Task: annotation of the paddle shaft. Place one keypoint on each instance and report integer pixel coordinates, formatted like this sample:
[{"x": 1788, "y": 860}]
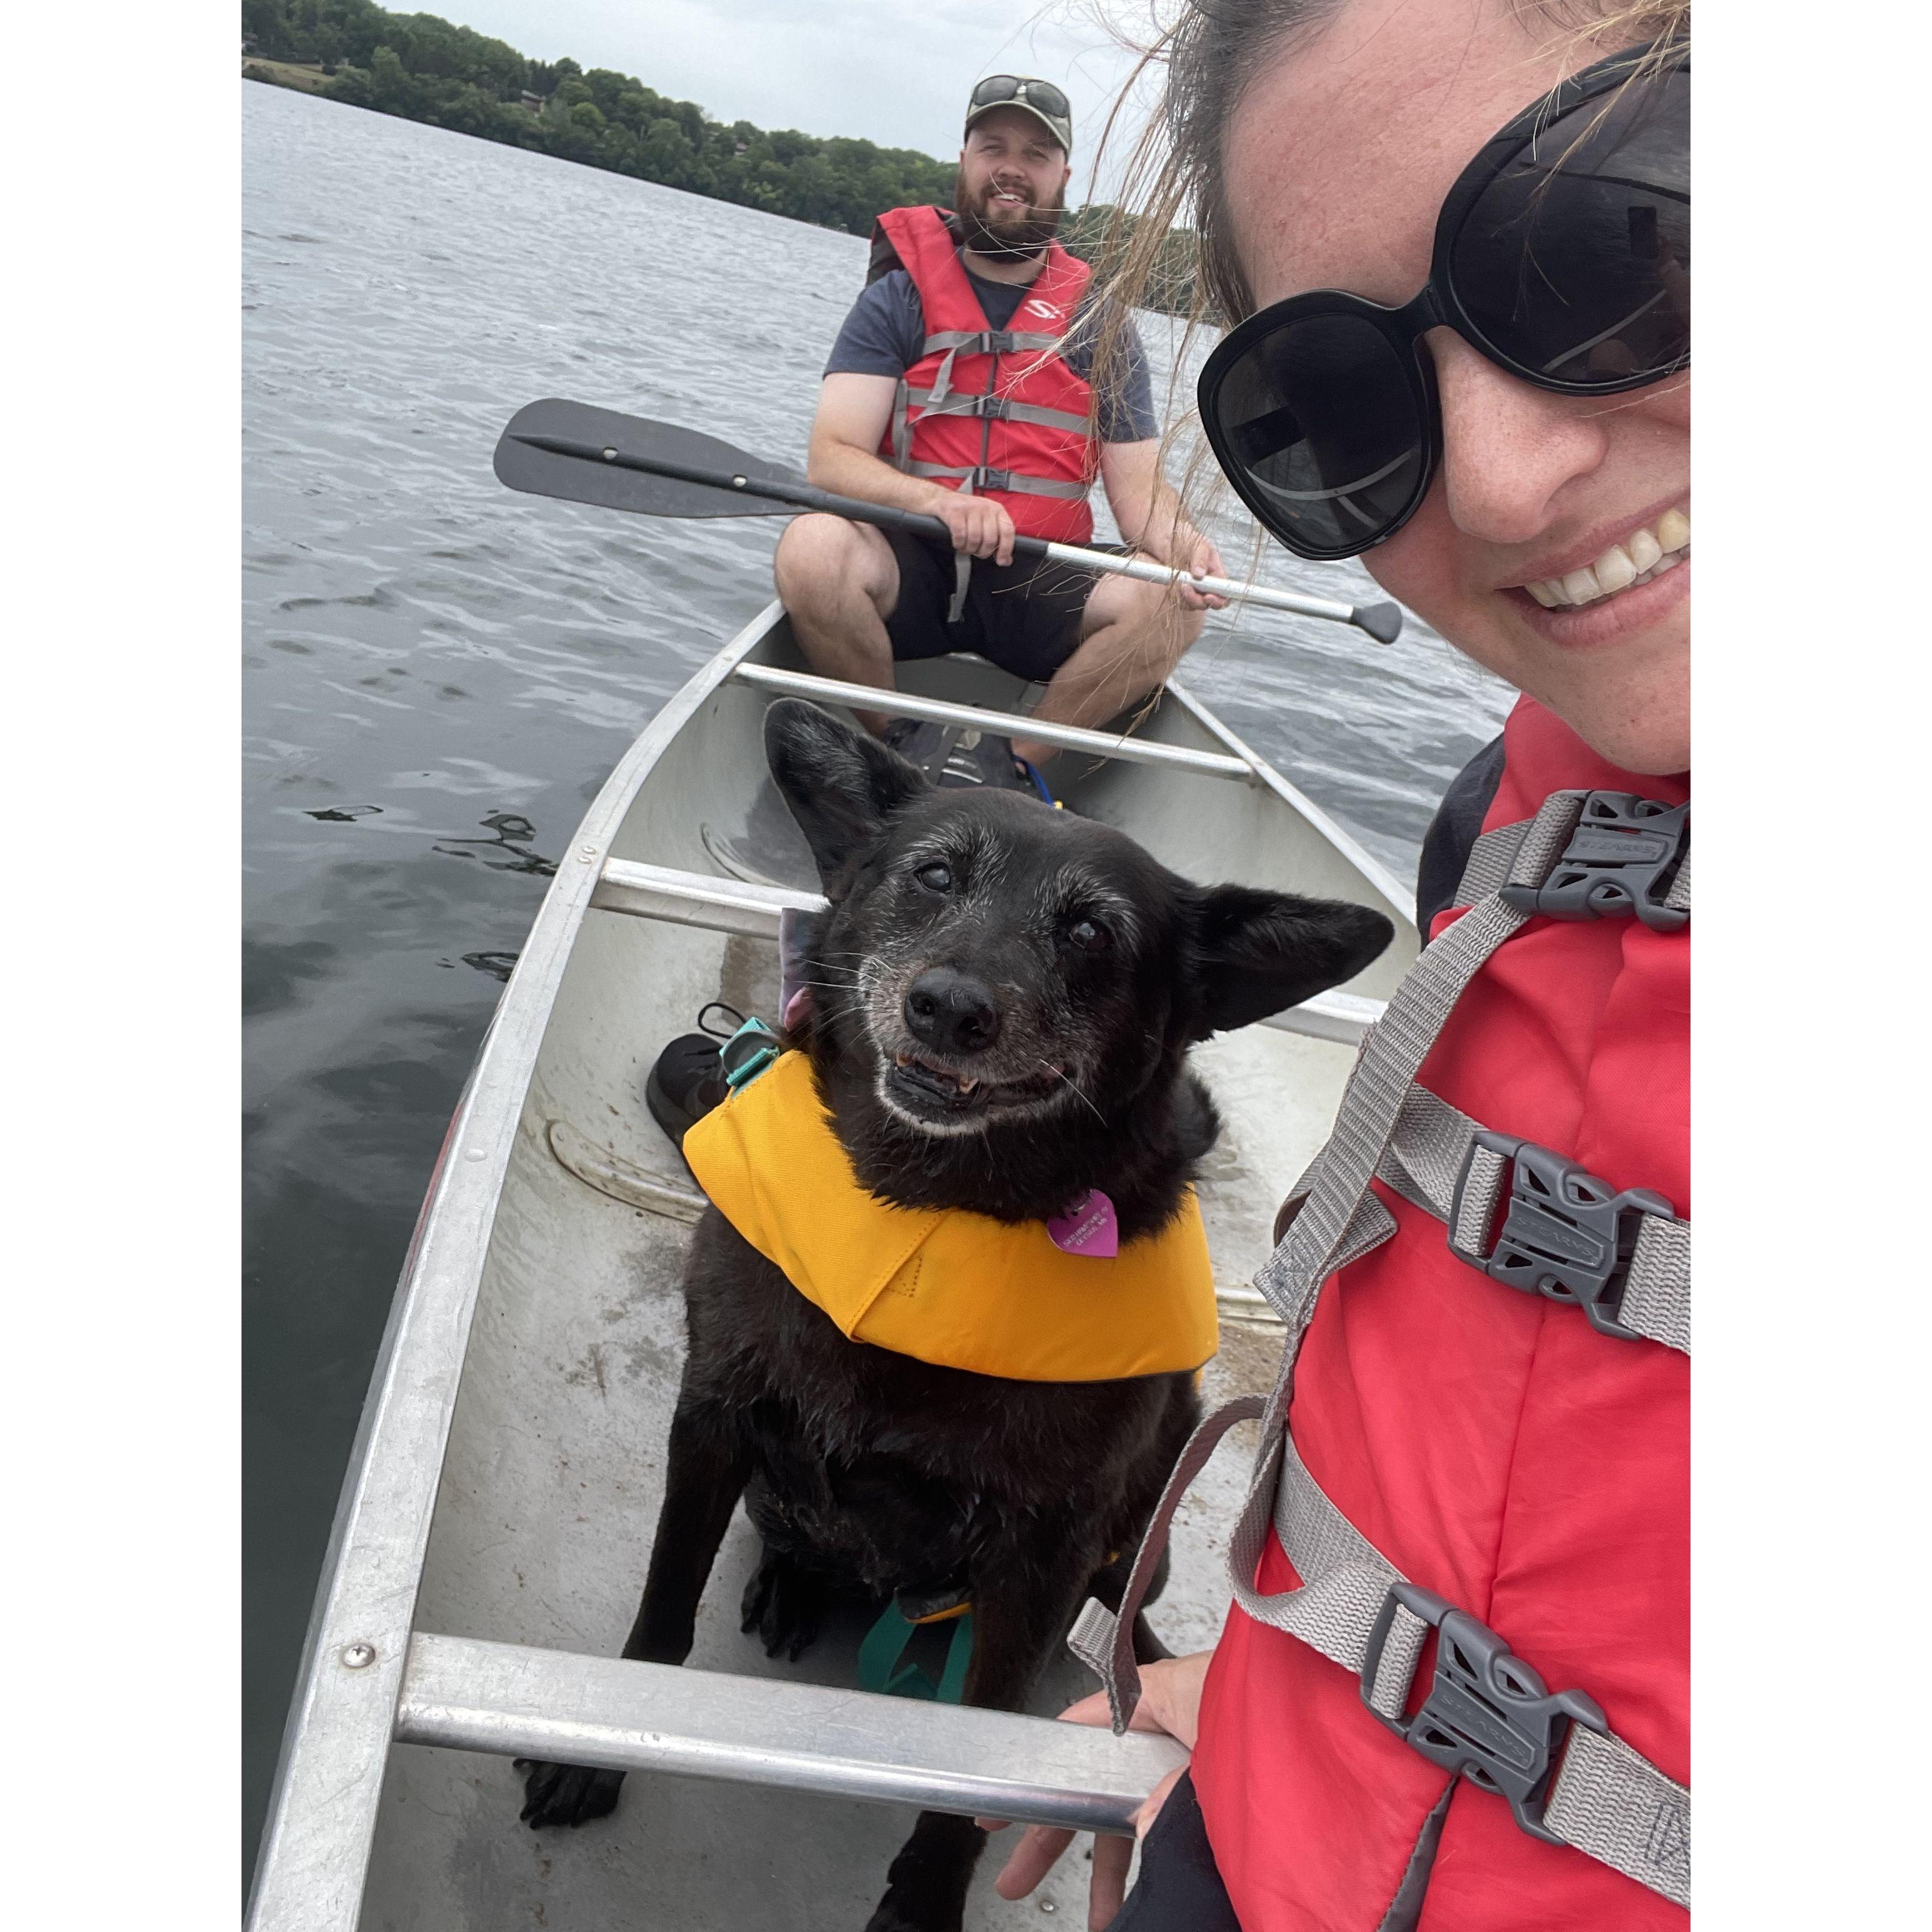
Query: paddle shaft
[{"x": 1376, "y": 619}]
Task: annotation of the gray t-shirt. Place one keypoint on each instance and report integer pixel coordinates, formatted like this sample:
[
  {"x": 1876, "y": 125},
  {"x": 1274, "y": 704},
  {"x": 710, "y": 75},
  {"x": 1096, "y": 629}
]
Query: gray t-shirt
[{"x": 883, "y": 334}]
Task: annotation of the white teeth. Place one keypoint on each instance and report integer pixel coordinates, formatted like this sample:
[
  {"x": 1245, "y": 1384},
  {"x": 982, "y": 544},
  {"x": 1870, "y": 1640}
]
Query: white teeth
[
  {"x": 1640, "y": 556},
  {"x": 1615, "y": 570}
]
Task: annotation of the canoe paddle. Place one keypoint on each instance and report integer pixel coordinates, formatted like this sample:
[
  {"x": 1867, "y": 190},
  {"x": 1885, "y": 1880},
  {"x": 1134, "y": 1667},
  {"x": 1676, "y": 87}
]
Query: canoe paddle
[{"x": 586, "y": 455}]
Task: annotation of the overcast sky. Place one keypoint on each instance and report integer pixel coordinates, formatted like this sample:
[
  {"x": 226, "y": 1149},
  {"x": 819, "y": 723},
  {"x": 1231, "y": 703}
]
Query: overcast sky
[{"x": 894, "y": 71}]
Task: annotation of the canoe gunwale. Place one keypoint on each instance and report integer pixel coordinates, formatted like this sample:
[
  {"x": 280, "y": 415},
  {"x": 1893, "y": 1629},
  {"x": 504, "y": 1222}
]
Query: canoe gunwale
[{"x": 321, "y": 1812}]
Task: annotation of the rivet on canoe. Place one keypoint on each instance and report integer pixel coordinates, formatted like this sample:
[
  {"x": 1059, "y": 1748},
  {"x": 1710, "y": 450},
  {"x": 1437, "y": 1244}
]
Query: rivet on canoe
[
  {"x": 610, "y": 456},
  {"x": 359, "y": 1656}
]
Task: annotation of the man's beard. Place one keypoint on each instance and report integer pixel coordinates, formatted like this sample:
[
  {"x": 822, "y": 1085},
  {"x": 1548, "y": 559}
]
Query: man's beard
[{"x": 1010, "y": 241}]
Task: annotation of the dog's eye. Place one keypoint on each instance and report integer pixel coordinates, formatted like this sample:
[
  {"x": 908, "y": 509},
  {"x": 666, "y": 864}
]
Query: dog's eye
[
  {"x": 1089, "y": 936},
  {"x": 936, "y": 878}
]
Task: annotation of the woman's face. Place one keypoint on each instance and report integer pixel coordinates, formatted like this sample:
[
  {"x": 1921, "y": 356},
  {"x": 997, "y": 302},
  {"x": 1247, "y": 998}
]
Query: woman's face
[{"x": 1338, "y": 160}]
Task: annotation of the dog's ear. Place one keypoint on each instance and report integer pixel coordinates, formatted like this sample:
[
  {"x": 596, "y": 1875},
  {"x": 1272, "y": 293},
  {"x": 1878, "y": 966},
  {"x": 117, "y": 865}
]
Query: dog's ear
[
  {"x": 840, "y": 783},
  {"x": 1256, "y": 952}
]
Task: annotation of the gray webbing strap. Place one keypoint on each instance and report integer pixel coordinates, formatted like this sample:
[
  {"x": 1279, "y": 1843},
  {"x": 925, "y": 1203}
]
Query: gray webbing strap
[
  {"x": 1605, "y": 1799},
  {"x": 1678, "y": 897},
  {"x": 1104, "y": 1642},
  {"x": 1392, "y": 1051},
  {"x": 1339, "y": 1220},
  {"x": 1487, "y": 870},
  {"x": 1434, "y": 1145},
  {"x": 981, "y": 477},
  {"x": 1000, "y": 408},
  {"x": 962, "y": 559},
  {"x": 949, "y": 343},
  {"x": 1615, "y": 1804},
  {"x": 1345, "y": 1579}
]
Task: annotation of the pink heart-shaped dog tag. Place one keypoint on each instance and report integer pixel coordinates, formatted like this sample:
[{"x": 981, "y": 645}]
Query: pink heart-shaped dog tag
[{"x": 1089, "y": 1227}]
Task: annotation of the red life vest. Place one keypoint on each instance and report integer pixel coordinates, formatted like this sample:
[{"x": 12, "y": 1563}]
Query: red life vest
[
  {"x": 1495, "y": 1448},
  {"x": 997, "y": 411}
]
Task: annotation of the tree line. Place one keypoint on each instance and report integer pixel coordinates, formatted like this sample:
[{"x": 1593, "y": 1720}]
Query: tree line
[{"x": 424, "y": 68}]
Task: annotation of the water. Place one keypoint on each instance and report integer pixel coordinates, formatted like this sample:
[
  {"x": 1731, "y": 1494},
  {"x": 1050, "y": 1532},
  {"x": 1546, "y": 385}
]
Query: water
[{"x": 440, "y": 674}]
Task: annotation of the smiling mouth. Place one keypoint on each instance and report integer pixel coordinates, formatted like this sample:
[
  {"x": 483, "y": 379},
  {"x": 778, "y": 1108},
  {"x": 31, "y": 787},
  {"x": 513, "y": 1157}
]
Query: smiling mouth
[
  {"x": 1642, "y": 555},
  {"x": 912, "y": 1077}
]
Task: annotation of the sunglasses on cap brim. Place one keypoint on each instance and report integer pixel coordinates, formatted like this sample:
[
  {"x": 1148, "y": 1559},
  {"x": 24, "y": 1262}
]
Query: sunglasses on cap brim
[
  {"x": 1562, "y": 254},
  {"x": 997, "y": 88}
]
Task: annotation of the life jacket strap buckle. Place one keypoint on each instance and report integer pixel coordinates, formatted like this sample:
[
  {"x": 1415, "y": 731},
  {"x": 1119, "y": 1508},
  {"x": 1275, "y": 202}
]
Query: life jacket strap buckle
[
  {"x": 1566, "y": 1234},
  {"x": 1623, "y": 858},
  {"x": 748, "y": 1053},
  {"x": 1488, "y": 1717}
]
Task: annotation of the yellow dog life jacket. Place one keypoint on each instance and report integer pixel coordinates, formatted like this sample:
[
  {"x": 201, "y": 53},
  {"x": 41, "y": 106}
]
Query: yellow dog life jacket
[{"x": 955, "y": 1288}]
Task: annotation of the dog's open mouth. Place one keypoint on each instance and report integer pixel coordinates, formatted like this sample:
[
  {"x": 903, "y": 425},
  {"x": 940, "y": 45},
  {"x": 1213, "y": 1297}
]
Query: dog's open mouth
[{"x": 924, "y": 1088}]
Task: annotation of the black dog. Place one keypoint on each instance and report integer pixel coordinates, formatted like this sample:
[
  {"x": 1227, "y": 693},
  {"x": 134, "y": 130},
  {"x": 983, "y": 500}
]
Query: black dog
[{"x": 1006, "y": 998}]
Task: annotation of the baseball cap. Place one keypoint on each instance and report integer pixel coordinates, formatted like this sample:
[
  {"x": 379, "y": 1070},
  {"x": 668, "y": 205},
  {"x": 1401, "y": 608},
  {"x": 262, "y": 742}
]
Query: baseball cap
[{"x": 1040, "y": 98}]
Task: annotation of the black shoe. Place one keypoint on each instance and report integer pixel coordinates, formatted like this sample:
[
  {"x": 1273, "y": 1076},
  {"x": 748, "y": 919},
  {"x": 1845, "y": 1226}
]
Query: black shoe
[
  {"x": 953, "y": 756},
  {"x": 688, "y": 1079}
]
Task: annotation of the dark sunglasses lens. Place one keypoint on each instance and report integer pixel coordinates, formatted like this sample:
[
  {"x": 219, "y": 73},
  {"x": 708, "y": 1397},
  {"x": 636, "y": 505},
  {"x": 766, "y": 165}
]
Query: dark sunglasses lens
[
  {"x": 1044, "y": 93},
  {"x": 1322, "y": 430},
  {"x": 1575, "y": 262},
  {"x": 995, "y": 87}
]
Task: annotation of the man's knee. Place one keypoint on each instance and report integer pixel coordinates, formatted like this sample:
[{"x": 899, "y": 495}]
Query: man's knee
[
  {"x": 1156, "y": 629},
  {"x": 821, "y": 556}
]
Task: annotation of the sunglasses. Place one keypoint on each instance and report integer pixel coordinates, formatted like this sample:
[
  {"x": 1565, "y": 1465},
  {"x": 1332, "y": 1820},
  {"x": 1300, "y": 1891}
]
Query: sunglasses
[
  {"x": 1562, "y": 254},
  {"x": 1041, "y": 93}
]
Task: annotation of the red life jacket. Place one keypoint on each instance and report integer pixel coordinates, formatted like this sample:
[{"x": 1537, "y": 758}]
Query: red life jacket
[
  {"x": 999, "y": 412},
  {"x": 1495, "y": 1448}
]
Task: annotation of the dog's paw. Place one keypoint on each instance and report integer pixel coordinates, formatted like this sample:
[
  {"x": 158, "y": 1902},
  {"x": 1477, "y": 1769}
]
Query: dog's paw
[
  {"x": 908, "y": 1910},
  {"x": 785, "y": 1604},
  {"x": 920, "y": 1904},
  {"x": 566, "y": 1794}
]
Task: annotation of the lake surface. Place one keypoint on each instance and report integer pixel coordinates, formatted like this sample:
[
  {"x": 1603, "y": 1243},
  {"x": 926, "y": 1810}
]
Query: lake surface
[{"x": 439, "y": 674}]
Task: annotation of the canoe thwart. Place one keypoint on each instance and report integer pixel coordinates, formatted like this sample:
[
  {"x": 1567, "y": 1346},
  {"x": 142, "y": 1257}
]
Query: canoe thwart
[
  {"x": 737, "y": 906},
  {"x": 697, "y": 898},
  {"x": 1124, "y": 746},
  {"x": 464, "y": 1694}
]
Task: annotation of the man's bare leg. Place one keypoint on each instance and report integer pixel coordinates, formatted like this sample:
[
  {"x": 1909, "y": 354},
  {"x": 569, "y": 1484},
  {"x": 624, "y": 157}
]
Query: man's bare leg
[
  {"x": 839, "y": 583},
  {"x": 1132, "y": 636}
]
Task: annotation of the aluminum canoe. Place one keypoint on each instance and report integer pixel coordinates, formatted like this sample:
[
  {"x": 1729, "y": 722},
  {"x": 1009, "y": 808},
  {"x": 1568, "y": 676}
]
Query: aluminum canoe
[{"x": 490, "y": 1545}]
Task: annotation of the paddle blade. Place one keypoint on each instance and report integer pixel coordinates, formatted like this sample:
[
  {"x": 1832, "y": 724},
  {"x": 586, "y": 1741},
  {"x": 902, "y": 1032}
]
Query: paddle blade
[{"x": 591, "y": 478}]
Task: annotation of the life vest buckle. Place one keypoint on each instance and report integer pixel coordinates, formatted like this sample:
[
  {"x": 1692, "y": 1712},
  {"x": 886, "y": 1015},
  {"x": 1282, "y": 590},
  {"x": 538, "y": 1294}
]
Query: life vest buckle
[
  {"x": 1566, "y": 1234},
  {"x": 749, "y": 1050},
  {"x": 1622, "y": 859},
  {"x": 1488, "y": 1716}
]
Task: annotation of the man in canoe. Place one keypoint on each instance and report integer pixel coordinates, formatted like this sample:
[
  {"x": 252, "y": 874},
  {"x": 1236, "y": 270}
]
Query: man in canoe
[{"x": 961, "y": 386}]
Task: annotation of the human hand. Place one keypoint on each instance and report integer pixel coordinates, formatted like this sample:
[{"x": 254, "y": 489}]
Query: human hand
[
  {"x": 1170, "y": 1703},
  {"x": 977, "y": 525},
  {"x": 1203, "y": 560}
]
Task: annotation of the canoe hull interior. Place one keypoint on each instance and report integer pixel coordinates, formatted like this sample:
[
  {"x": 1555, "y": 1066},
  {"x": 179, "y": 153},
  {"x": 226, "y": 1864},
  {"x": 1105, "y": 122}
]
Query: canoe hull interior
[{"x": 551, "y": 1479}]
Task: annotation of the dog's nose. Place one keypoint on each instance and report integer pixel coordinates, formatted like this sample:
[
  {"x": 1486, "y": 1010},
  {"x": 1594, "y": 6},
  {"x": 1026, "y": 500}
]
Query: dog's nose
[{"x": 952, "y": 1011}]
